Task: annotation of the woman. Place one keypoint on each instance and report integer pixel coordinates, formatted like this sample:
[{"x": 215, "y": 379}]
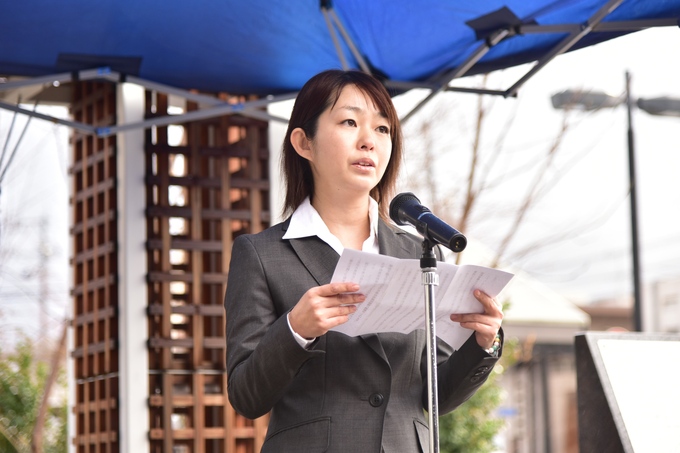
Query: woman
[{"x": 328, "y": 392}]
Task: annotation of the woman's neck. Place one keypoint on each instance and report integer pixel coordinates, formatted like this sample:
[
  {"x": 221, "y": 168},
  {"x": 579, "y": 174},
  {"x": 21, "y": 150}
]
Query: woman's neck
[{"x": 346, "y": 218}]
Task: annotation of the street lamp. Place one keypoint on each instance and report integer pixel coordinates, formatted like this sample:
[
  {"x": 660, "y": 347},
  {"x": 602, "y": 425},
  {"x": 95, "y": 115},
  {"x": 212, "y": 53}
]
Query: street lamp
[{"x": 592, "y": 100}]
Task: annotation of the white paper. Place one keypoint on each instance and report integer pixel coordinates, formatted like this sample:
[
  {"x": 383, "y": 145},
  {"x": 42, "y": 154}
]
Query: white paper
[{"x": 395, "y": 296}]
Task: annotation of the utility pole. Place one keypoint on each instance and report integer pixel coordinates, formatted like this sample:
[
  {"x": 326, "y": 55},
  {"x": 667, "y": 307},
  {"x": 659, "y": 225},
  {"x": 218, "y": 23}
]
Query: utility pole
[{"x": 43, "y": 275}]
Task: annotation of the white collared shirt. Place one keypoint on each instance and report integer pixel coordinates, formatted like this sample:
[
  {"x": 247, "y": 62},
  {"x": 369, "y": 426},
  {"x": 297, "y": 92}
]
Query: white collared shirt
[{"x": 306, "y": 222}]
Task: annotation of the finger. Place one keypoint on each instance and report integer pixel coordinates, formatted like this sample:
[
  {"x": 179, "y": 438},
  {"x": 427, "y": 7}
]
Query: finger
[
  {"x": 473, "y": 318},
  {"x": 489, "y": 303},
  {"x": 347, "y": 299},
  {"x": 324, "y": 302},
  {"x": 335, "y": 321},
  {"x": 342, "y": 310},
  {"x": 336, "y": 316},
  {"x": 333, "y": 289},
  {"x": 485, "y": 330},
  {"x": 479, "y": 326}
]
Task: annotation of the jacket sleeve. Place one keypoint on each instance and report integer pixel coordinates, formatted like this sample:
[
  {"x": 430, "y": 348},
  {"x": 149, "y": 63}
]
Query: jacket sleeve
[
  {"x": 461, "y": 373},
  {"x": 262, "y": 354}
]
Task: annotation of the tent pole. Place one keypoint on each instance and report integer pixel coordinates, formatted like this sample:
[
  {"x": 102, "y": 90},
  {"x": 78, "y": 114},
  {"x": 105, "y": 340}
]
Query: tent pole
[
  {"x": 360, "y": 59},
  {"x": 51, "y": 79},
  {"x": 3, "y": 171},
  {"x": 494, "y": 39},
  {"x": 217, "y": 108},
  {"x": 567, "y": 43},
  {"x": 73, "y": 124},
  {"x": 624, "y": 26},
  {"x": 631, "y": 25},
  {"x": 334, "y": 37},
  {"x": 222, "y": 109}
]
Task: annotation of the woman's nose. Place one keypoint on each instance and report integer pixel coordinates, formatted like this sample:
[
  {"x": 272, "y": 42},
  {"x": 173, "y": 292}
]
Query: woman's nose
[{"x": 366, "y": 140}]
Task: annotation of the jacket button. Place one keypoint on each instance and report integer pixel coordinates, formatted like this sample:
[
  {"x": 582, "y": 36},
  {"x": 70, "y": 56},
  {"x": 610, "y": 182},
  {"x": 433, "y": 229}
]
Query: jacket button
[{"x": 376, "y": 399}]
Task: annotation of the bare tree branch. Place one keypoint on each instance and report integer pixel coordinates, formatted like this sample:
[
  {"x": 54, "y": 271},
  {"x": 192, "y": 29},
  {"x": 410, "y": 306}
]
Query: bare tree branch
[
  {"x": 485, "y": 174},
  {"x": 532, "y": 190}
]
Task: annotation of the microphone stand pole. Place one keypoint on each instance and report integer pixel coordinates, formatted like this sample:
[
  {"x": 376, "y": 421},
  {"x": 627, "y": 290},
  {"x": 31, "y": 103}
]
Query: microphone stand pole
[{"x": 430, "y": 279}]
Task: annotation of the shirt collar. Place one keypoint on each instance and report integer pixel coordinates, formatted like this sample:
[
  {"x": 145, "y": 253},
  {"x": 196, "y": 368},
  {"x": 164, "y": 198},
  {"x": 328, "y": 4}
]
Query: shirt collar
[{"x": 306, "y": 222}]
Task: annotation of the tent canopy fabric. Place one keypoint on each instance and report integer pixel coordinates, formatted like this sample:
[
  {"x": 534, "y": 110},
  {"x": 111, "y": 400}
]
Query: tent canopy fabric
[{"x": 272, "y": 47}]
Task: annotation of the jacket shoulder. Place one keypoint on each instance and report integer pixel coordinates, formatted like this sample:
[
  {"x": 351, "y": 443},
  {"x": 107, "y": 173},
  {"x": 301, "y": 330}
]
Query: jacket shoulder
[{"x": 270, "y": 235}]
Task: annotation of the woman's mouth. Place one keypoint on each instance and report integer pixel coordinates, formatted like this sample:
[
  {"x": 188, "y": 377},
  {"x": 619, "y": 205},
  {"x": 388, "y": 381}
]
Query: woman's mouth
[{"x": 364, "y": 163}]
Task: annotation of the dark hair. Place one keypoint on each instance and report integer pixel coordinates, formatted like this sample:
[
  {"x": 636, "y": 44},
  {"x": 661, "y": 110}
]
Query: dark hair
[{"x": 318, "y": 94}]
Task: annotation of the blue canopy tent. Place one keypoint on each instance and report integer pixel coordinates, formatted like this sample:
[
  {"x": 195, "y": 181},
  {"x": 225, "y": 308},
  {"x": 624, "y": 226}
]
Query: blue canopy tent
[{"x": 271, "y": 47}]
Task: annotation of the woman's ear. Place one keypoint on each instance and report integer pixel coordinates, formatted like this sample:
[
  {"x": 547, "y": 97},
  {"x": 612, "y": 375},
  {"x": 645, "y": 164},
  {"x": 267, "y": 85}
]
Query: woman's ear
[{"x": 301, "y": 143}]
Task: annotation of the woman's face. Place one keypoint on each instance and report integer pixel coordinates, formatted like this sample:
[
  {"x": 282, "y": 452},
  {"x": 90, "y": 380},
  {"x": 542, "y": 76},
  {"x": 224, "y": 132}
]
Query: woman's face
[{"x": 352, "y": 146}]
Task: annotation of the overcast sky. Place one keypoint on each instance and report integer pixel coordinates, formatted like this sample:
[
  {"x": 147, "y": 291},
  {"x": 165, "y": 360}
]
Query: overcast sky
[
  {"x": 34, "y": 216},
  {"x": 597, "y": 263}
]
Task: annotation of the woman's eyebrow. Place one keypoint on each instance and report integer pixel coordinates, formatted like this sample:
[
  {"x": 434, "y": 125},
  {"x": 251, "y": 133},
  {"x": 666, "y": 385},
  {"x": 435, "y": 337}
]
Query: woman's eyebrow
[{"x": 354, "y": 108}]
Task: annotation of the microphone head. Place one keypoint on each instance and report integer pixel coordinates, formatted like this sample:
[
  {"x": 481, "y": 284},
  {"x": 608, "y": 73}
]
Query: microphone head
[
  {"x": 405, "y": 209},
  {"x": 398, "y": 204},
  {"x": 457, "y": 243}
]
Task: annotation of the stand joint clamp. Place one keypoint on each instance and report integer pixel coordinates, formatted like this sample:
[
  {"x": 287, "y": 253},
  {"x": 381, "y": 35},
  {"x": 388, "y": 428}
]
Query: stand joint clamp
[{"x": 430, "y": 278}]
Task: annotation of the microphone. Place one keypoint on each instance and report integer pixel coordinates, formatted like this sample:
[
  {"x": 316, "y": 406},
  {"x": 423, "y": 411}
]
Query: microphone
[{"x": 405, "y": 209}]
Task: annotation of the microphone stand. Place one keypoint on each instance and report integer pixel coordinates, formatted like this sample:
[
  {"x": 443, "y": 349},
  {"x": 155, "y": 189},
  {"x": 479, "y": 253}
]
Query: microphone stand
[{"x": 430, "y": 279}]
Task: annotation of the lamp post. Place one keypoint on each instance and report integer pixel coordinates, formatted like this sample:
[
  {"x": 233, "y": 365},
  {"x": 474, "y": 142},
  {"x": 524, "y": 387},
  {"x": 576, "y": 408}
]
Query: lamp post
[
  {"x": 592, "y": 100},
  {"x": 637, "y": 292}
]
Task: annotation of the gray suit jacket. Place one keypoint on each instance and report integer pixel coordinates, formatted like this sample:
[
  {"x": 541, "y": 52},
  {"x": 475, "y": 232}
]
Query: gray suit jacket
[{"x": 345, "y": 394}]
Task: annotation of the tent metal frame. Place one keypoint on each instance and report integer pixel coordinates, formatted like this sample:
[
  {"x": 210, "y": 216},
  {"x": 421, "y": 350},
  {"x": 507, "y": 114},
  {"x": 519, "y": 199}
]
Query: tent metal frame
[
  {"x": 575, "y": 32},
  {"x": 437, "y": 84},
  {"x": 216, "y": 107}
]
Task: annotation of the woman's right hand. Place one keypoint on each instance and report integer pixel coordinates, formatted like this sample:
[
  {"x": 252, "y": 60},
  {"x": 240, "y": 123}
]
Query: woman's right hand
[{"x": 323, "y": 307}]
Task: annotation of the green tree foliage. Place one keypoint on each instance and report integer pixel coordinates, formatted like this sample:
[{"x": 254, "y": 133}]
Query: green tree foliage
[
  {"x": 472, "y": 427},
  {"x": 22, "y": 380}
]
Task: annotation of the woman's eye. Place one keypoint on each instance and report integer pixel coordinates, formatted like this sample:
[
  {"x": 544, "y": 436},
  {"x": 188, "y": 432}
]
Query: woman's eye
[
  {"x": 383, "y": 129},
  {"x": 350, "y": 122}
]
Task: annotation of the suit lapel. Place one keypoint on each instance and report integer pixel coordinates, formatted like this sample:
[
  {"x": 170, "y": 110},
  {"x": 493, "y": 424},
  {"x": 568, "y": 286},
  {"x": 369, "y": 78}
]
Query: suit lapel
[
  {"x": 318, "y": 257},
  {"x": 395, "y": 242}
]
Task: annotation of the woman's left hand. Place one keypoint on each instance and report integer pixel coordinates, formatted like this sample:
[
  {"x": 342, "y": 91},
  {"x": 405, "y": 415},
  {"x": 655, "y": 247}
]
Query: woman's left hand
[{"x": 486, "y": 325}]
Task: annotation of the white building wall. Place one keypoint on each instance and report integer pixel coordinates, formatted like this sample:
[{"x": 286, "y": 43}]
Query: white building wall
[{"x": 661, "y": 306}]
